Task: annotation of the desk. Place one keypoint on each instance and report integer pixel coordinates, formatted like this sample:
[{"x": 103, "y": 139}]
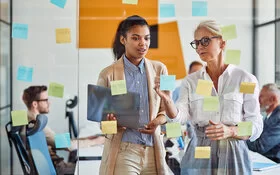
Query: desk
[
  {"x": 256, "y": 157},
  {"x": 89, "y": 167}
]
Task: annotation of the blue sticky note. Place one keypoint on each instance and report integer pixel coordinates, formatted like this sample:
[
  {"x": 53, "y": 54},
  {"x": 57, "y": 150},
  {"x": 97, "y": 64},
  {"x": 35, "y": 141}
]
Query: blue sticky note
[
  {"x": 167, "y": 10},
  {"x": 199, "y": 8},
  {"x": 59, "y": 3},
  {"x": 62, "y": 140},
  {"x": 167, "y": 82},
  {"x": 25, "y": 73},
  {"x": 19, "y": 31}
]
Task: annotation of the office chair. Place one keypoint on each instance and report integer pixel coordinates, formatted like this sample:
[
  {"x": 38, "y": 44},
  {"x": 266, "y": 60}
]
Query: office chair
[
  {"x": 14, "y": 137},
  {"x": 71, "y": 103},
  {"x": 38, "y": 145}
]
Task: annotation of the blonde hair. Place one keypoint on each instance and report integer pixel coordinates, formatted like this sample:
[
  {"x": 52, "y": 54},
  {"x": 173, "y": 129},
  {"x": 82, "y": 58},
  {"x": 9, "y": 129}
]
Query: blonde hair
[{"x": 211, "y": 25}]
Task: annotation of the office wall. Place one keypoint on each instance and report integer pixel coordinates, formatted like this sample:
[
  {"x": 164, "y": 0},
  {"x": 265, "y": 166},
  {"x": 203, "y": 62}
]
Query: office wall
[{"x": 75, "y": 68}]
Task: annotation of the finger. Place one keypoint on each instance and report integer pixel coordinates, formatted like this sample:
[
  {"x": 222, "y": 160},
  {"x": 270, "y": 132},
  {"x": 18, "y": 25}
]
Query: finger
[
  {"x": 212, "y": 123},
  {"x": 215, "y": 136},
  {"x": 213, "y": 127}
]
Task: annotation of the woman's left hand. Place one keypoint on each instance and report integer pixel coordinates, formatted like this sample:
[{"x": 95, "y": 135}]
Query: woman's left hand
[
  {"x": 150, "y": 128},
  {"x": 218, "y": 131}
]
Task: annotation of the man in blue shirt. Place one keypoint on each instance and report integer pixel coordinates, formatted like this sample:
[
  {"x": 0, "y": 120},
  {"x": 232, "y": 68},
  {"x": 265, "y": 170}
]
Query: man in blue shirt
[{"x": 268, "y": 144}]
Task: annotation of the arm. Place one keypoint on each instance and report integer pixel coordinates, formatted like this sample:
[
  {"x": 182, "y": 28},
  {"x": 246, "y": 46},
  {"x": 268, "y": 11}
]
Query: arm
[{"x": 269, "y": 138}]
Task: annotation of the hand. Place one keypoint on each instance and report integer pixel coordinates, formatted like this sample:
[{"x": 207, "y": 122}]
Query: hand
[
  {"x": 163, "y": 94},
  {"x": 218, "y": 131},
  {"x": 112, "y": 117},
  {"x": 150, "y": 128}
]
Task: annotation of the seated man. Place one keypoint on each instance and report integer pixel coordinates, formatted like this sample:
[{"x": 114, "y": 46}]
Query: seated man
[
  {"x": 36, "y": 100},
  {"x": 268, "y": 144}
]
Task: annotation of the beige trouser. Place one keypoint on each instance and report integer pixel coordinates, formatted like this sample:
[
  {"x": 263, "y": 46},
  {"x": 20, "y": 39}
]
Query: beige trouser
[{"x": 135, "y": 159}]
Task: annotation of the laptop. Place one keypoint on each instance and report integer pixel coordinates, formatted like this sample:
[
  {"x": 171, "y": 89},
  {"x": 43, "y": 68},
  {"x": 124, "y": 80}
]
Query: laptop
[{"x": 100, "y": 102}]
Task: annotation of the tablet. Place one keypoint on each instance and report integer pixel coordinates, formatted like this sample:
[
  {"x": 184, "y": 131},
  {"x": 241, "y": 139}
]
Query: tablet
[{"x": 100, "y": 102}]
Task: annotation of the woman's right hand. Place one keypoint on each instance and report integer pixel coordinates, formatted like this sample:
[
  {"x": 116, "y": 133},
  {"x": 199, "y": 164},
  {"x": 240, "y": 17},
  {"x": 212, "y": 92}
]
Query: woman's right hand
[
  {"x": 165, "y": 95},
  {"x": 112, "y": 117}
]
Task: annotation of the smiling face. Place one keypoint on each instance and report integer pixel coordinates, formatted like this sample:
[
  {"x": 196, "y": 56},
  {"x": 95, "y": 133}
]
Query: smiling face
[
  {"x": 136, "y": 42},
  {"x": 214, "y": 48}
]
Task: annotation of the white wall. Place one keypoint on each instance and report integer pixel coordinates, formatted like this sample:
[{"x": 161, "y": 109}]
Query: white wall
[{"x": 75, "y": 68}]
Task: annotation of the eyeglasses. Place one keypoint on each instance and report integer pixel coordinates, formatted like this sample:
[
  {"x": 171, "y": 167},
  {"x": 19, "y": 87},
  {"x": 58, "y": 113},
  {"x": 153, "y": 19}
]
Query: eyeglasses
[
  {"x": 43, "y": 100},
  {"x": 204, "y": 41}
]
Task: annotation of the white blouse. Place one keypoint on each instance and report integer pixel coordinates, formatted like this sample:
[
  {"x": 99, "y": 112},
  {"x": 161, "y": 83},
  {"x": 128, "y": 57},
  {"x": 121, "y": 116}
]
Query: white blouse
[{"x": 234, "y": 106}]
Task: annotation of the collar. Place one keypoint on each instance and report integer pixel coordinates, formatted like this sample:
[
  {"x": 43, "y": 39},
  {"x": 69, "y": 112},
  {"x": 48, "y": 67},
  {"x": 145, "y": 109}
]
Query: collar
[
  {"x": 227, "y": 71},
  {"x": 132, "y": 68}
]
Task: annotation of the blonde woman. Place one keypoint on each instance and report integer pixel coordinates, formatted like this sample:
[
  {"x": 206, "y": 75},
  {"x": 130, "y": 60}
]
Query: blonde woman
[{"x": 229, "y": 153}]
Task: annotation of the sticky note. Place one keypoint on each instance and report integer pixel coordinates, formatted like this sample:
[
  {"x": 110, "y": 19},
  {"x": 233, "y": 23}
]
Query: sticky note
[
  {"x": 62, "y": 140},
  {"x": 173, "y": 130},
  {"x": 19, "y": 117},
  {"x": 204, "y": 87},
  {"x": 244, "y": 128},
  {"x": 229, "y": 32},
  {"x": 118, "y": 87},
  {"x": 59, "y": 3},
  {"x": 247, "y": 87},
  {"x": 211, "y": 103},
  {"x": 63, "y": 35},
  {"x": 109, "y": 127},
  {"x": 233, "y": 57},
  {"x": 199, "y": 8},
  {"x": 202, "y": 152},
  {"x": 56, "y": 90},
  {"x": 19, "y": 31},
  {"x": 25, "y": 73},
  {"x": 134, "y": 2},
  {"x": 167, "y": 10},
  {"x": 167, "y": 82}
]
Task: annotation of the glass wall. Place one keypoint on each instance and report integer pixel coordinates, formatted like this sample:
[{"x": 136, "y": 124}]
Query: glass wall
[
  {"x": 5, "y": 86},
  {"x": 267, "y": 46}
]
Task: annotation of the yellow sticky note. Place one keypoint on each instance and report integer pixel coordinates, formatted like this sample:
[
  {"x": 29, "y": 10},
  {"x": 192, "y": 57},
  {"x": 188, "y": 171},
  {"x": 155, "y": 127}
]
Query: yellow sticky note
[
  {"x": 135, "y": 2},
  {"x": 173, "y": 130},
  {"x": 56, "y": 90},
  {"x": 19, "y": 118},
  {"x": 211, "y": 103},
  {"x": 233, "y": 57},
  {"x": 118, "y": 87},
  {"x": 63, "y": 35},
  {"x": 244, "y": 128},
  {"x": 247, "y": 87},
  {"x": 204, "y": 87},
  {"x": 109, "y": 127},
  {"x": 229, "y": 32},
  {"x": 202, "y": 152}
]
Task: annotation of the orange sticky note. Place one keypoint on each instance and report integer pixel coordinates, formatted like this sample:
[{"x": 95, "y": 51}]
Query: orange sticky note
[
  {"x": 63, "y": 35},
  {"x": 109, "y": 127},
  {"x": 19, "y": 117},
  {"x": 204, "y": 87},
  {"x": 247, "y": 87},
  {"x": 202, "y": 152}
]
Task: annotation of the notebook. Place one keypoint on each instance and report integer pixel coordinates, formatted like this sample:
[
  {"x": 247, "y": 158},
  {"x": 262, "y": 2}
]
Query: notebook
[
  {"x": 125, "y": 106},
  {"x": 260, "y": 166}
]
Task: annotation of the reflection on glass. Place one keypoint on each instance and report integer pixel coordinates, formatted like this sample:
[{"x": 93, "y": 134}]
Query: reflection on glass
[{"x": 4, "y": 64}]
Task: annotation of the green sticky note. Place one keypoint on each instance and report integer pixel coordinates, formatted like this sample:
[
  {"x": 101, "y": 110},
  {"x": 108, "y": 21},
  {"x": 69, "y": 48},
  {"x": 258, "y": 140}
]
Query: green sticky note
[
  {"x": 173, "y": 130},
  {"x": 233, "y": 57},
  {"x": 244, "y": 128},
  {"x": 56, "y": 90},
  {"x": 118, "y": 87},
  {"x": 19, "y": 117},
  {"x": 211, "y": 103},
  {"x": 134, "y": 2},
  {"x": 202, "y": 152},
  {"x": 204, "y": 87},
  {"x": 229, "y": 32},
  {"x": 247, "y": 87}
]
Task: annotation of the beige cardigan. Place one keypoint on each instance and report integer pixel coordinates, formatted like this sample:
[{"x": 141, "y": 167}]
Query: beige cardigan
[{"x": 112, "y": 143}]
